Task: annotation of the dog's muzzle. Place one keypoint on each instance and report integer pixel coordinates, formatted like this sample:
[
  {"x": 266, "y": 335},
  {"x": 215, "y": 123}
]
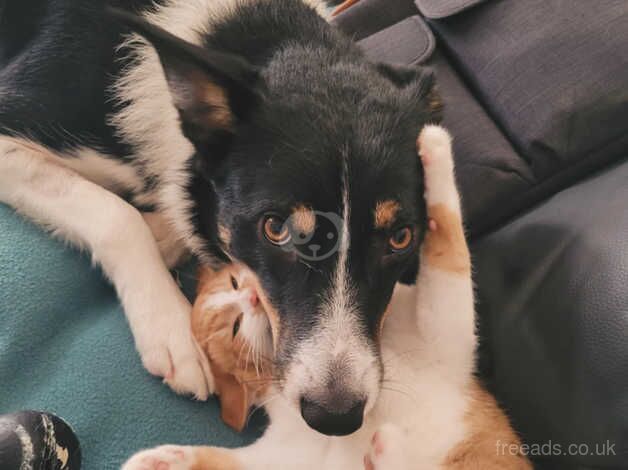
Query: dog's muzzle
[{"x": 340, "y": 420}]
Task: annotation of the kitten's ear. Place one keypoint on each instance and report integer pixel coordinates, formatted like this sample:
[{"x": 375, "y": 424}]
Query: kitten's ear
[
  {"x": 212, "y": 90},
  {"x": 234, "y": 400},
  {"x": 420, "y": 81}
]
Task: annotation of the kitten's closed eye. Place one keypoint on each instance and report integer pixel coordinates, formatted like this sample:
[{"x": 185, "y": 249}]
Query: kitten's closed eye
[
  {"x": 236, "y": 325},
  {"x": 234, "y": 283}
]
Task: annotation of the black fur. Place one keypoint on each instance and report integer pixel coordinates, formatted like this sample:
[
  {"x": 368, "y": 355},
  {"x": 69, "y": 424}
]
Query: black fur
[
  {"x": 321, "y": 107},
  {"x": 307, "y": 108}
]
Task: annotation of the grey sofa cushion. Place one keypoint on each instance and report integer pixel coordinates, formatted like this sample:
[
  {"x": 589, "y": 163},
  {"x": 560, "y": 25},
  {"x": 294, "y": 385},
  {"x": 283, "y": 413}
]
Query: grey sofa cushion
[
  {"x": 408, "y": 42},
  {"x": 518, "y": 136},
  {"x": 488, "y": 169},
  {"x": 444, "y": 8},
  {"x": 552, "y": 73},
  {"x": 554, "y": 309}
]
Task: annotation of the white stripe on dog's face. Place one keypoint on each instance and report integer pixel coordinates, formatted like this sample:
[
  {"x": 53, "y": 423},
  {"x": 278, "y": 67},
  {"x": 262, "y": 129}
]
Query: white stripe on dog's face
[
  {"x": 340, "y": 302},
  {"x": 336, "y": 364}
]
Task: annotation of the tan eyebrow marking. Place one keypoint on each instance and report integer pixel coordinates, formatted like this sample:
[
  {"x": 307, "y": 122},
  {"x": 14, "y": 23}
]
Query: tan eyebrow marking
[
  {"x": 385, "y": 213},
  {"x": 303, "y": 219}
]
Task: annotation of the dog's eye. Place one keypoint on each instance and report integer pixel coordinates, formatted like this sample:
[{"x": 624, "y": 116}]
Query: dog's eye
[
  {"x": 236, "y": 325},
  {"x": 401, "y": 239},
  {"x": 234, "y": 283},
  {"x": 276, "y": 230}
]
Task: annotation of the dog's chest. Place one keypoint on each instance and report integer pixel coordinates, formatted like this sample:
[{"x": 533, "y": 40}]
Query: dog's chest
[{"x": 416, "y": 396}]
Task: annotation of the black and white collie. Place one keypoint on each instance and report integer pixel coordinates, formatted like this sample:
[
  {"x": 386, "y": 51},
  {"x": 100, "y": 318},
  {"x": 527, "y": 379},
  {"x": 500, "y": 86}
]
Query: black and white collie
[{"x": 238, "y": 130}]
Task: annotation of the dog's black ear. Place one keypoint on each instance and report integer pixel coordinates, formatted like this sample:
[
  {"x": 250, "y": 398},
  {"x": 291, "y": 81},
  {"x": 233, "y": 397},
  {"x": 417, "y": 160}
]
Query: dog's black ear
[
  {"x": 420, "y": 81},
  {"x": 212, "y": 90}
]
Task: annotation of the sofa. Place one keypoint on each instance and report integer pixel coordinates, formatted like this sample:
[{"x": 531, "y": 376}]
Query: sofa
[{"x": 536, "y": 97}]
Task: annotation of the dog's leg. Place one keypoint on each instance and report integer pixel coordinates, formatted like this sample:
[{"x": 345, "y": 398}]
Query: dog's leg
[
  {"x": 445, "y": 310},
  {"x": 119, "y": 239},
  {"x": 171, "y": 457},
  {"x": 446, "y": 314},
  {"x": 275, "y": 450},
  {"x": 172, "y": 248},
  {"x": 387, "y": 450}
]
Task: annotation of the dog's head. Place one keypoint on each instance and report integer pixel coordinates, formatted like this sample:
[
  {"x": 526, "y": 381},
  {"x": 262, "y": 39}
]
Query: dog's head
[{"x": 306, "y": 172}]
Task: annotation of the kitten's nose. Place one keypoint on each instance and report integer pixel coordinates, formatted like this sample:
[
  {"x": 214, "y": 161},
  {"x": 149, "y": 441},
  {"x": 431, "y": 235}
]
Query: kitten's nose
[{"x": 254, "y": 299}]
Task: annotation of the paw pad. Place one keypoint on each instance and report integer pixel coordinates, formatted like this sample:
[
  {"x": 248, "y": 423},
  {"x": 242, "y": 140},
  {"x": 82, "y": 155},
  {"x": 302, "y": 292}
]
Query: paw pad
[{"x": 377, "y": 444}]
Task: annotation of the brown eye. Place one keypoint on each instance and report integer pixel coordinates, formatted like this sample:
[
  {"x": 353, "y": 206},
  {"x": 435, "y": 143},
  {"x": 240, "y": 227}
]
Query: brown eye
[
  {"x": 276, "y": 230},
  {"x": 401, "y": 239},
  {"x": 234, "y": 283},
  {"x": 236, "y": 325}
]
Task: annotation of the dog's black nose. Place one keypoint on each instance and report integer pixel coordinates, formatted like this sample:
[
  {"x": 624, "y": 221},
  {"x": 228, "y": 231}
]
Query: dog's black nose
[{"x": 333, "y": 421}]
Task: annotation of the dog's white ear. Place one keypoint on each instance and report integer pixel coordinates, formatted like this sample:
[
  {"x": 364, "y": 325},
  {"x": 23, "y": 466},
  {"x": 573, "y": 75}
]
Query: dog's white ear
[{"x": 212, "y": 90}]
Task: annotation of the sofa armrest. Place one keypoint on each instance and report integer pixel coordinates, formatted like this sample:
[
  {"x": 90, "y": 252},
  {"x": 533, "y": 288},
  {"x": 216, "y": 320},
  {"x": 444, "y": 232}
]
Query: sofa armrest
[{"x": 367, "y": 17}]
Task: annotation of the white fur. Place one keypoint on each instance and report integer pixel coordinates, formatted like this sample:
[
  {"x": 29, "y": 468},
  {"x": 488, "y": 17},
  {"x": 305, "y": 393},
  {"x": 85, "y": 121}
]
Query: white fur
[
  {"x": 90, "y": 217},
  {"x": 428, "y": 347},
  {"x": 336, "y": 338}
]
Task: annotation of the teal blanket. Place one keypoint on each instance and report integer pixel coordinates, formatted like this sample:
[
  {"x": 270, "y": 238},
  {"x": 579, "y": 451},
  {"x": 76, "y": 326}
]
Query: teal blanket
[{"x": 65, "y": 347}]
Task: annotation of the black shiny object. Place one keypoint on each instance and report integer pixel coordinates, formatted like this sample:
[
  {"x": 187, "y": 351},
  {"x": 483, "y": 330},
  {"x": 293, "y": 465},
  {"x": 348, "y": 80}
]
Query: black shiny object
[{"x": 37, "y": 441}]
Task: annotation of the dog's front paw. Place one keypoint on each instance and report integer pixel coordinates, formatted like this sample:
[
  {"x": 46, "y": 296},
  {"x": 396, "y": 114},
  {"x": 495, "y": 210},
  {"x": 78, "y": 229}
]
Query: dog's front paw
[
  {"x": 387, "y": 449},
  {"x": 169, "y": 350},
  {"x": 434, "y": 146},
  {"x": 162, "y": 458},
  {"x": 178, "y": 359}
]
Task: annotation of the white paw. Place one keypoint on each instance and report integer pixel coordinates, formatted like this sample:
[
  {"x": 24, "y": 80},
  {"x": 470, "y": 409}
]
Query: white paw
[
  {"x": 169, "y": 350},
  {"x": 162, "y": 458},
  {"x": 435, "y": 151},
  {"x": 387, "y": 450}
]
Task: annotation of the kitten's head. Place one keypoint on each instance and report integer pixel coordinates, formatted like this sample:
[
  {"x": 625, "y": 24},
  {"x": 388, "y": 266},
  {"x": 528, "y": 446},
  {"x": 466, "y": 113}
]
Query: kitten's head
[{"x": 233, "y": 331}]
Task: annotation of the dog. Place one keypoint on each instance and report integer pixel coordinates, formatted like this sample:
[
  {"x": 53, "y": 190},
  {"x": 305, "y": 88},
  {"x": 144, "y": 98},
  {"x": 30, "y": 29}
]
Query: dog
[
  {"x": 234, "y": 130},
  {"x": 431, "y": 412}
]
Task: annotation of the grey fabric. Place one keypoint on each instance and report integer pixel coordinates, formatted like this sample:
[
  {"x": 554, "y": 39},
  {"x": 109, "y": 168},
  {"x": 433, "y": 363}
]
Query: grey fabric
[
  {"x": 367, "y": 17},
  {"x": 554, "y": 308},
  {"x": 536, "y": 139},
  {"x": 488, "y": 169},
  {"x": 553, "y": 74},
  {"x": 408, "y": 42},
  {"x": 444, "y": 8}
]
